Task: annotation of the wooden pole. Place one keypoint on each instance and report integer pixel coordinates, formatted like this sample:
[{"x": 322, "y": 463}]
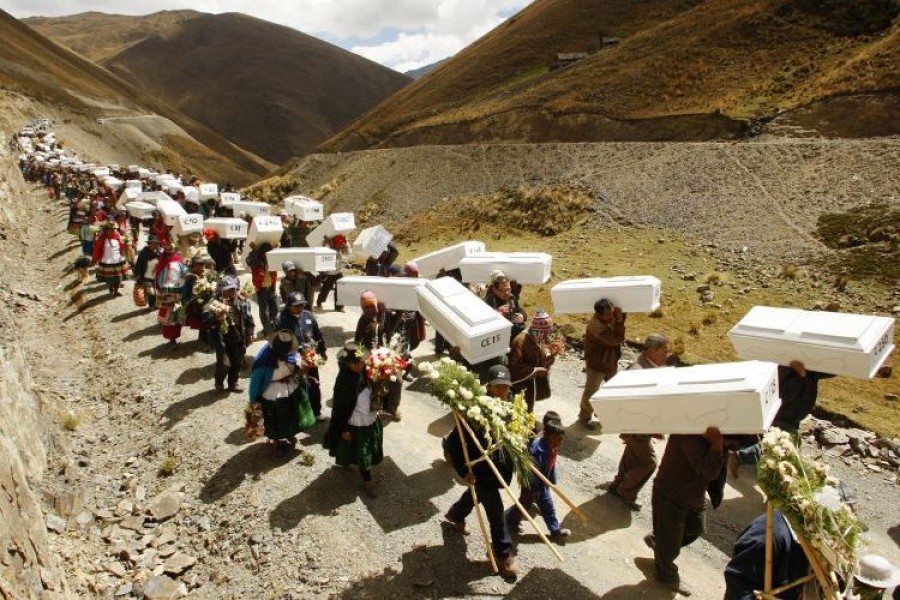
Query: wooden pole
[
  {"x": 481, "y": 525},
  {"x": 770, "y": 527},
  {"x": 509, "y": 491},
  {"x": 828, "y": 590},
  {"x": 559, "y": 492}
]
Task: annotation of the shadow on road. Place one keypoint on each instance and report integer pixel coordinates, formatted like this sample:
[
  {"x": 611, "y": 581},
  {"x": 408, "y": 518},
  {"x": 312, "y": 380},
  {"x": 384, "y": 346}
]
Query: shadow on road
[
  {"x": 405, "y": 500},
  {"x": 130, "y": 315},
  {"x": 603, "y": 513},
  {"x": 331, "y": 490},
  {"x": 550, "y": 583},
  {"x": 177, "y": 411},
  {"x": 580, "y": 443},
  {"x": 649, "y": 588},
  {"x": 427, "y": 572},
  {"x": 253, "y": 461},
  {"x": 141, "y": 333}
]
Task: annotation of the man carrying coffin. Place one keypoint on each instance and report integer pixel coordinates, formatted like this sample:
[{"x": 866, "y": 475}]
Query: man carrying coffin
[
  {"x": 602, "y": 349},
  {"x": 689, "y": 464},
  {"x": 639, "y": 459},
  {"x": 799, "y": 389}
]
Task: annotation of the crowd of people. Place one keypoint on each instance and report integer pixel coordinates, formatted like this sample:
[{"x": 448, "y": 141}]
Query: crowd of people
[{"x": 193, "y": 280}]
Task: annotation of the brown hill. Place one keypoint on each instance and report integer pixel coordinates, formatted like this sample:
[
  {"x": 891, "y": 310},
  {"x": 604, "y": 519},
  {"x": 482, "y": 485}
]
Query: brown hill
[
  {"x": 683, "y": 70},
  {"x": 268, "y": 88},
  {"x": 67, "y": 85}
]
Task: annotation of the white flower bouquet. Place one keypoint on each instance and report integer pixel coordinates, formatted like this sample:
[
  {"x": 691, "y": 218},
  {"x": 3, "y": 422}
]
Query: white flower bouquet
[
  {"x": 808, "y": 497},
  {"x": 506, "y": 425}
]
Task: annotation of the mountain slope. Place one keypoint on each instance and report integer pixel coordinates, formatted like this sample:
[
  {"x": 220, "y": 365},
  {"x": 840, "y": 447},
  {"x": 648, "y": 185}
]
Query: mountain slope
[
  {"x": 683, "y": 70},
  {"x": 71, "y": 87},
  {"x": 268, "y": 88}
]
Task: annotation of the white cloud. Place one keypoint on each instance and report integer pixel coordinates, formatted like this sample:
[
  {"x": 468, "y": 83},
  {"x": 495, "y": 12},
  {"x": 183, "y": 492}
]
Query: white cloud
[{"x": 401, "y": 34}]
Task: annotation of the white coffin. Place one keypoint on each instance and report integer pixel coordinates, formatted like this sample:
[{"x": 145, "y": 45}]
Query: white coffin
[
  {"x": 372, "y": 241},
  {"x": 228, "y": 228},
  {"x": 209, "y": 191},
  {"x": 134, "y": 184},
  {"x": 738, "y": 398},
  {"x": 229, "y": 198},
  {"x": 112, "y": 182},
  {"x": 100, "y": 172},
  {"x": 191, "y": 193},
  {"x": 633, "y": 294},
  {"x": 305, "y": 209},
  {"x": 129, "y": 195},
  {"x": 188, "y": 224},
  {"x": 172, "y": 187},
  {"x": 140, "y": 210},
  {"x": 155, "y": 198},
  {"x": 134, "y": 168},
  {"x": 265, "y": 229},
  {"x": 143, "y": 173},
  {"x": 312, "y": 260},
  {"x": 170, "y": 211},
  {"x": 161, "y": 178},
  {"x": 251, "y": 208},
  {"x": 397, "y": 293},
  {"x": 837, "y": 343},
  {"x": 446, "y": 258},
  {"x": 522, "y": 267},
  {"x": 464, "y": 319},
  {"x": 334, "y": 224}
]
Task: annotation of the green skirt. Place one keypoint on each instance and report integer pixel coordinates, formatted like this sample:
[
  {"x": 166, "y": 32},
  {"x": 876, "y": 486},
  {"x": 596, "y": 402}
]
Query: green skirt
[
  {"x": 364, "y": 448},
  {"x": 281, "y": 417}
]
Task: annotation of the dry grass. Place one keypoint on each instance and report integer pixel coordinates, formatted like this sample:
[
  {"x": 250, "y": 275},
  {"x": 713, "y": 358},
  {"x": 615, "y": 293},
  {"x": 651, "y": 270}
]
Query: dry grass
[
  {"x": 682, "y": 320},
  {"x": 168, "y": 466}
]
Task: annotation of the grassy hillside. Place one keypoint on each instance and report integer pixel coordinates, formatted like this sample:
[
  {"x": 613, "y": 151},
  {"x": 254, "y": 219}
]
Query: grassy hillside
[
  {"x": 268, "y": 88},
  {"x": 40, "y": 69},
  {"x": 685, "y": 70}
]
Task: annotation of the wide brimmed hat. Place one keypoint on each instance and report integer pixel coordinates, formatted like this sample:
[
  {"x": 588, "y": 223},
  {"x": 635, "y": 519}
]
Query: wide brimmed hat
[
  {"x": 878, "y": 572},
  {"x": 283, "y": 342},
  {"x": 351, "y": 352},
  {"x": 198, "y": 260}
]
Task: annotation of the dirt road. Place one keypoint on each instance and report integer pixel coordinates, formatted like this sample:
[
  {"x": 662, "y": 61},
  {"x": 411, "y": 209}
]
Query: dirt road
[{"x": 261, "y": 525}]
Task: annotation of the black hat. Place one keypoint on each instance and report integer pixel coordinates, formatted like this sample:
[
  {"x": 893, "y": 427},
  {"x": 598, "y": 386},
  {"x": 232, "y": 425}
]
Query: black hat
[
  {"x": 296, "y": 299},
  {"x": 498, "y": 375},
  {"x": 283, "y": 342}
]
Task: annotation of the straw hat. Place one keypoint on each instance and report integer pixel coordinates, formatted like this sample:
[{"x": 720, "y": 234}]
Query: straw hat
[{"x": 878, "y": 572}]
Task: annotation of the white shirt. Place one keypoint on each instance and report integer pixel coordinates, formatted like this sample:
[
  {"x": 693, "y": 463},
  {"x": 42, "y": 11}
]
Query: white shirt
[
  {"x": 362, "y": 415},
  {"x": 282, "y": 385},
  {"x": 112, "y": 254}
]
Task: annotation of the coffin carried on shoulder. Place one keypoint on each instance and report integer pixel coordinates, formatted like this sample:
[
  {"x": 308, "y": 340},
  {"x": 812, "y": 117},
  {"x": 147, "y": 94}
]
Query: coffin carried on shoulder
[
  {"x": 228, "y": 198},
  {"x": 522, "y": 267},
  {"x": 464, "y": 319},
  {"x": 397, "y": 293},
  {"x": 446, "y": 258},
  {"x": 265, "y": 229},
  {"x": 100, "y": 172},
  {"x": 134, "y": 184},
  {"x": 155, "y": 198},
  {"x": 170, "y": 211},
  {"x": 633, "y": 294},
  {"x": 305, "y": 209},
  {"x": 251, "y": 208},
  {"x": 372, "y": 241},
  {"x": 208, "y": 191},
  {"x": 228, "y": 228},
  {"x": 191, "y": 194},
  {"x": 312, "y": 260},
  {"x": 334, "y": 224},
  {"x": 129, "y": 195},
  {"x": 111, "y": 182},
  {"x": 738, "y": 398},
  {"x": 140, "y": 210},
  {"x": 188, "y": 224},
  {"x": 837, "y": 343}
]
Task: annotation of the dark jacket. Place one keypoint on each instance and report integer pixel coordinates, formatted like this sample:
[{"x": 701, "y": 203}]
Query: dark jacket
[
  {"x": 347, "y": 386},
  {"x": 304, "y": 326},
  {"x": 409, "y": 324},
  {"x": 482, "y": 472},
  {"x": 745, "y": 572},
  {"x": 220, "y": 251},
  {"x": 143, "y": 259},
  {"x": 798, "y": 396},
  {"x": 370, "y": 330},
  {"x": 603, "y": 345},
  {"x": 303, "y": 284},
  {"x": 688, "y": 466},
  {"x": 524, "y": 355},
  {"x": 543, "y": 456},
  {"x": 514, "y": 309}
]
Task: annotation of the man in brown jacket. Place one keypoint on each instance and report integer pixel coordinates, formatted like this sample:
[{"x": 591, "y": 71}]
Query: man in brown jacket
[
  {"x": 638, "y": 462},
  {"x": 689, "y": 464},
  {"x": 602, "y": 349}
]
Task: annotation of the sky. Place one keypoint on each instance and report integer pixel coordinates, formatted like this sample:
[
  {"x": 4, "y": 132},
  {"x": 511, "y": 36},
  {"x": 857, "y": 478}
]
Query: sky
[{"x": 400, "y": 34}]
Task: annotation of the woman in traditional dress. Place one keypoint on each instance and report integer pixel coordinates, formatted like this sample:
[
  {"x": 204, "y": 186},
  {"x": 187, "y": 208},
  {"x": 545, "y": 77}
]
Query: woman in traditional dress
[
  {"x": 110, "y": 256},
  {"x": 277, "y": 385},
  {"x": 169, "y": 278},
  {"x": 355, "y": 435},
  {"x": 530, "y": 359}
]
